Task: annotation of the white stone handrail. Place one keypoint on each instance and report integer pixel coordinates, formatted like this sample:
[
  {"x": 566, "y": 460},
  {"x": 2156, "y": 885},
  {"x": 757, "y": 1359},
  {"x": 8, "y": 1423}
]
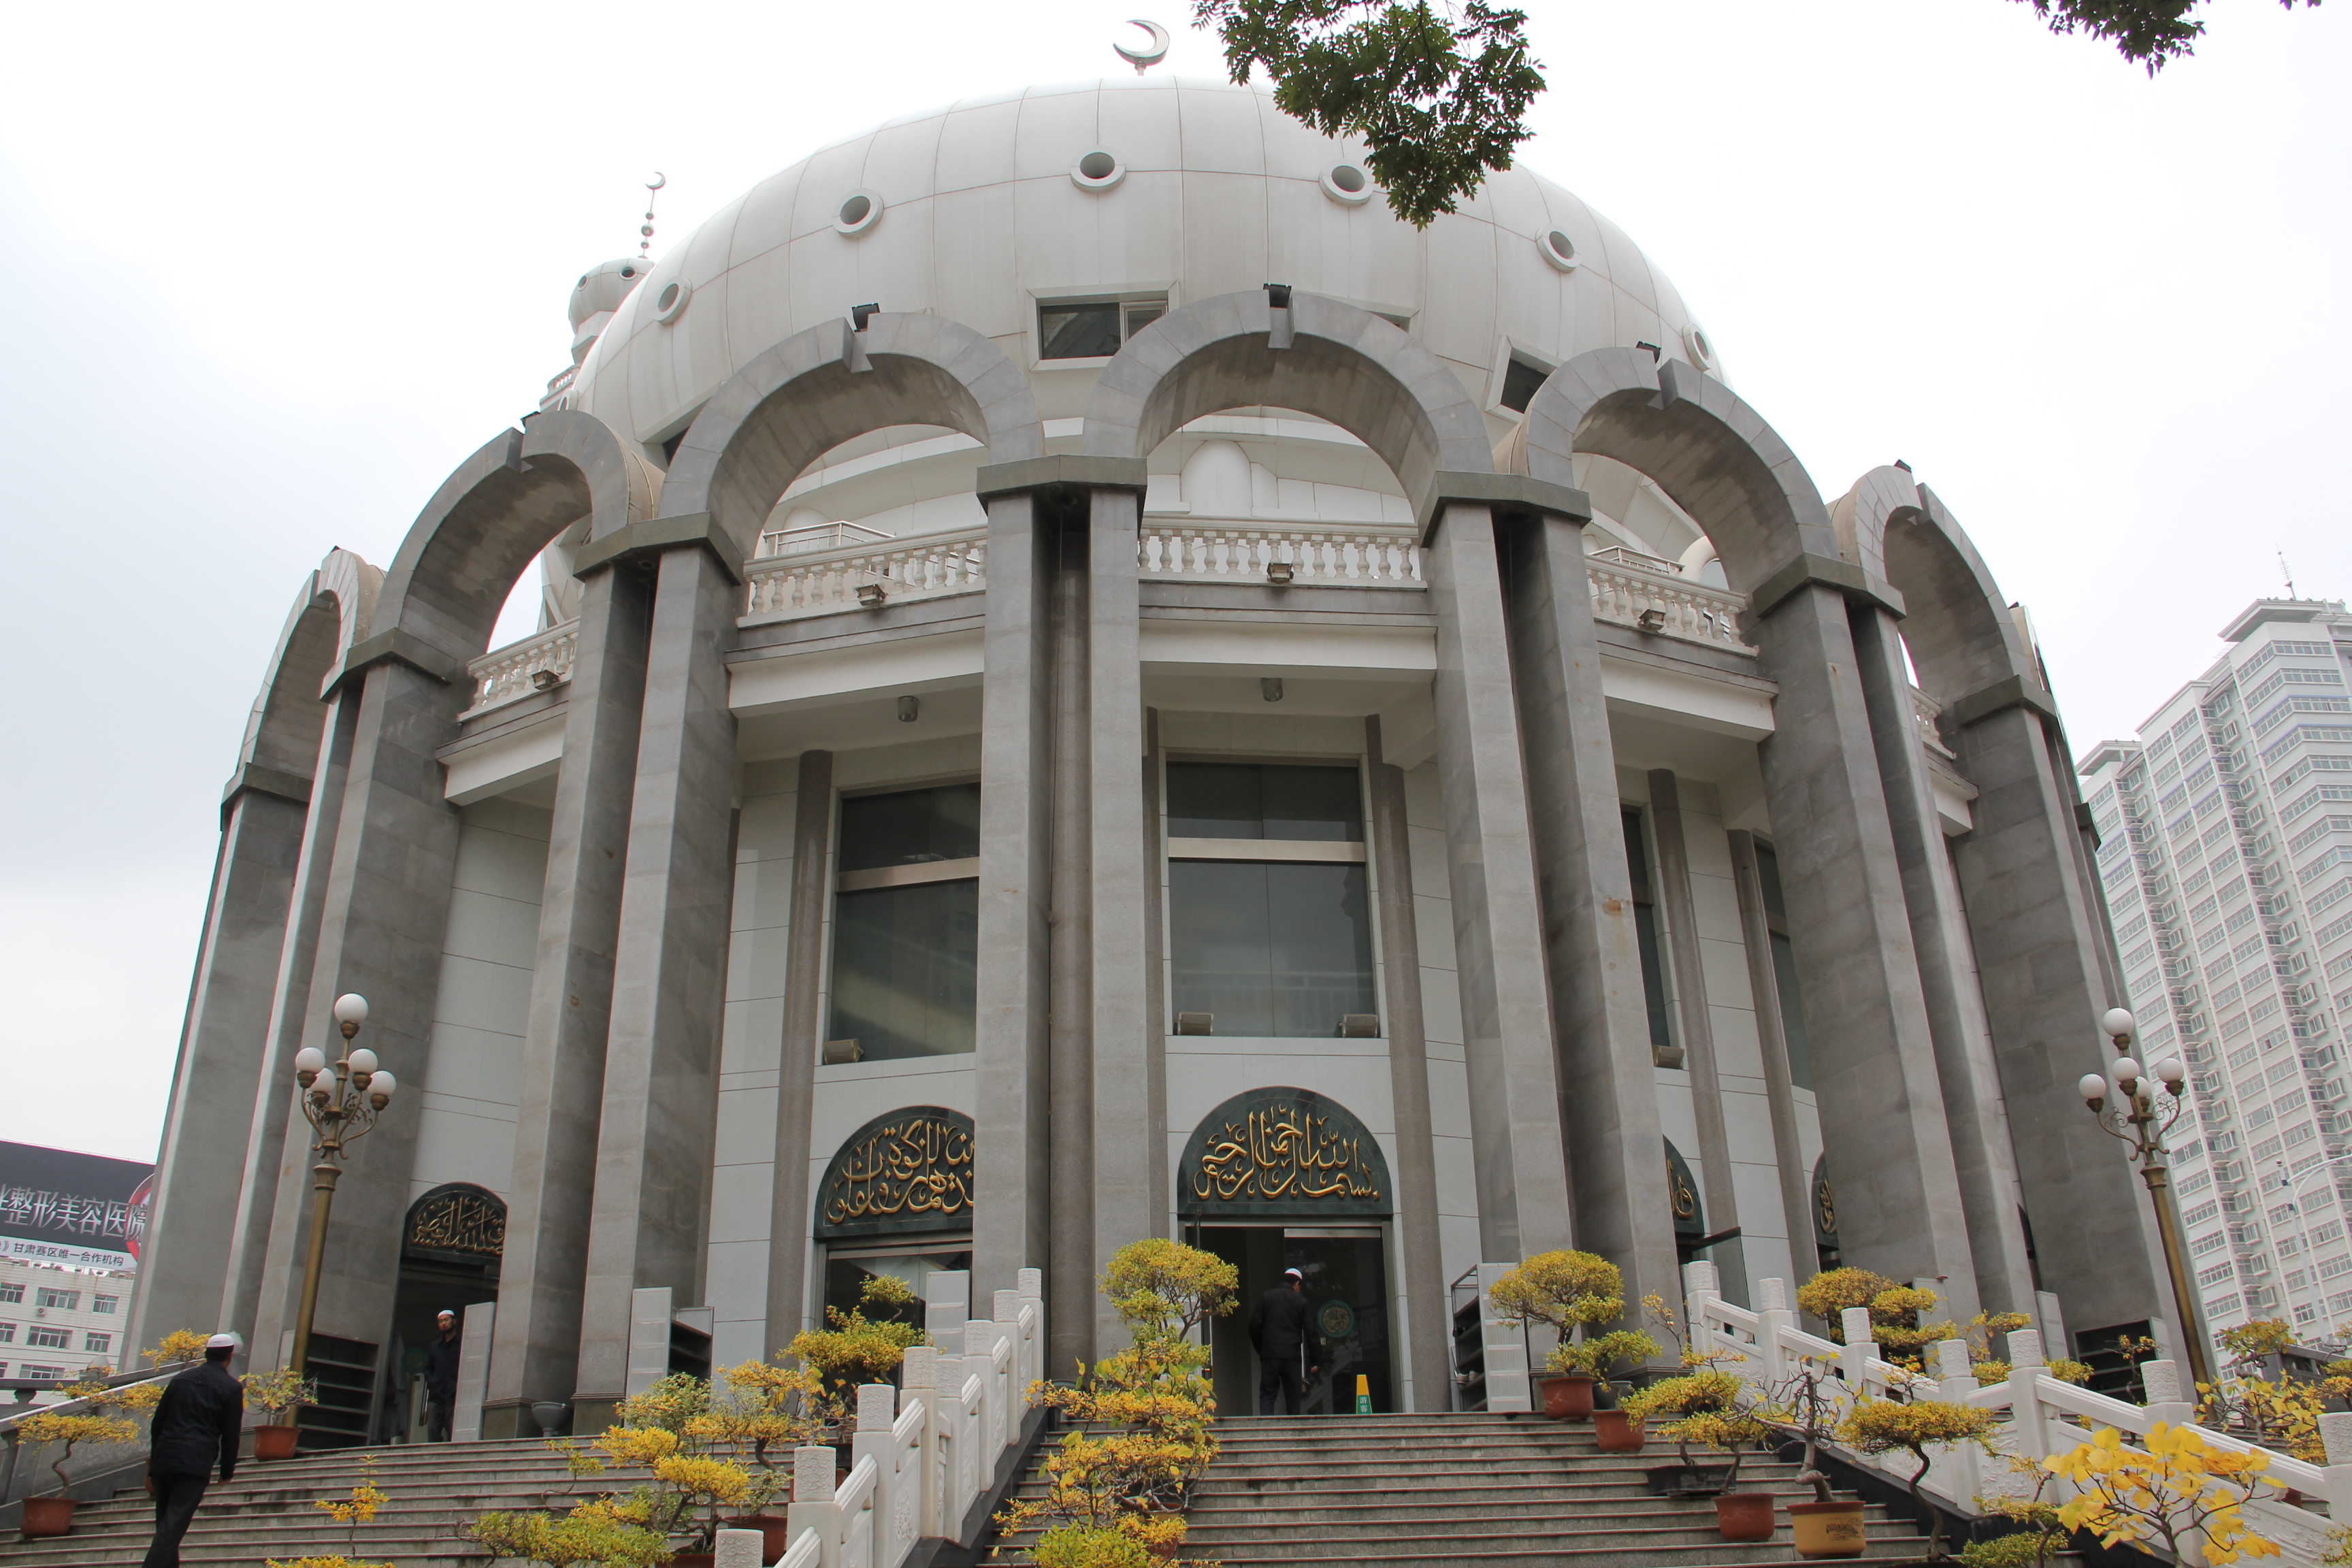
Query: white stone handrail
[
  {"x": 1692, "y": 611},
  {"x": 1231, "y": 553},
  {"x": 925, "y": 1453},
  {"x": 2041, "y": 1415},
  {"x": 538, "y": 663},
  {"x": 814, "y": 582},
  {"x": 1926, "y": 710}
]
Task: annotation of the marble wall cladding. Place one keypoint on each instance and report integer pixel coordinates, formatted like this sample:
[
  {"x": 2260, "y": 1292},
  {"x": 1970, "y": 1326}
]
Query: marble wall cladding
[
  {"x": 471, "y": 1078},
  {"x": 1441, "y": 1002}
]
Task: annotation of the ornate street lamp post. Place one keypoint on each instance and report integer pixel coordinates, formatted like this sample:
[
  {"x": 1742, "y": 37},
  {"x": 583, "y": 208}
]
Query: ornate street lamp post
[
  {"x": 340, "y": 1103},
  {"x": 2136, "y": 1123}
]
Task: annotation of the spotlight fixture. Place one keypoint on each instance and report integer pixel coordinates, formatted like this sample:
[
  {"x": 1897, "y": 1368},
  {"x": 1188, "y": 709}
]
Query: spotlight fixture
[
  {"x": 871, "y": 594},
  {"x": 1279, "y": 574},
  {"x": 545, "y": 680},
  {"x": 861, "y": 314},
  {"x": 1270, "y": 688},
  {"x": 1650, "y": 620},
  {"x": 907, "y": 707}
]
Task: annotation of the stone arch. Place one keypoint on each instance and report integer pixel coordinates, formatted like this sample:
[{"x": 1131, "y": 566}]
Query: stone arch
[
  {"x": 444, "y": 589},
  {"x": 829, "y": 385},
  {"x": 1320, "y": 357},
  {"x": 333, "y": 611},
  {"x": 1708, "y": 450},
  {"x": 1962, "y": 635}
]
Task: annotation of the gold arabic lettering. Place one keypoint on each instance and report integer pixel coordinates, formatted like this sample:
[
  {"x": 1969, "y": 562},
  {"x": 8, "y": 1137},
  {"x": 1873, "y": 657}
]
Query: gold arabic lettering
[
  {"x": 917, "y": 1166},
  {"x": 1280, "y": 1152},
  {"x": 460, "y": 1222}
]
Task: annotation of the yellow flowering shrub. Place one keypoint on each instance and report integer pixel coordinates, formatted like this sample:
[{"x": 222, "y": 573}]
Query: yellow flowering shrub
[
  {"x": 179, "y": 1345},
  {"x": 2159, "y": 1494},
  {"x": 1886, "y": 1426}
]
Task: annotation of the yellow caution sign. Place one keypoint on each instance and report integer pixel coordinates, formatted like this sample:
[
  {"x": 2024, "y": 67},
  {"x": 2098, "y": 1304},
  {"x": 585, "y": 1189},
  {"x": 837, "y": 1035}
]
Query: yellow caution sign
[{"x": 1363, "y": 1394}]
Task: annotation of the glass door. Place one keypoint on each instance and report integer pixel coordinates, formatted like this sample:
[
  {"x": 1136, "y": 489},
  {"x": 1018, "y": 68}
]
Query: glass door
[{"x": 1346, "y": 1268}]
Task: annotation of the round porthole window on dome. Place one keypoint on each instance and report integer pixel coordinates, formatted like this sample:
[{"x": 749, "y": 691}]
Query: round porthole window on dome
[
  {"x": 1557, "y": 249},
  {"x": 1098, "y": 169},
  {"x": 1350, "y": 185},
  {"x": 860, "y": 210},
  {"x": 670, "y": 303},
  {"x": 1702, "y": 352}
]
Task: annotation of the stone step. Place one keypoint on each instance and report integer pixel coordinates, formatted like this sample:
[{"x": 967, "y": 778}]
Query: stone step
[{"x": 1501, "y": 1502}]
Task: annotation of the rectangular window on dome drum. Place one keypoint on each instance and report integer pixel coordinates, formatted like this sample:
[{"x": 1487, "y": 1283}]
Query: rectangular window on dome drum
[
  {"x": 1093, "y": 328},
  {"x": 906, "y": 925},
  {"x": 1270, "y": 921}
]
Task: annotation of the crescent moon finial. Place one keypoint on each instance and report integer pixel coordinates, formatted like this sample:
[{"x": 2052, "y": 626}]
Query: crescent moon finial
[
  {"x": 1151, "y": 54},
  {"x": 652, "y": 188}
]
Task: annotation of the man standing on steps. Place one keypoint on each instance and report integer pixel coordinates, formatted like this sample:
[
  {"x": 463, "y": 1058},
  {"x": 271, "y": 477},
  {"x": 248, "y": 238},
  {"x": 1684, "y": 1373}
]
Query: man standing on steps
[
  {"x": 1282, "y": 1330},
  {"x": 441, "y": 1378},
  {"x": 196, "y": 1425}
]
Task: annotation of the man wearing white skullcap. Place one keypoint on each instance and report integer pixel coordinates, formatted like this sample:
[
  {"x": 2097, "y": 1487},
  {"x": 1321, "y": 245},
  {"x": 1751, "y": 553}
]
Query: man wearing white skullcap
[{"x": 196, "y": 1425}]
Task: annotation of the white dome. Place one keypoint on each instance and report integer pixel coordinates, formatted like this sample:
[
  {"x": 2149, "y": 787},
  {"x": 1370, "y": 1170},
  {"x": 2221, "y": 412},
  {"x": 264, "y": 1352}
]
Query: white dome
[{"x": 982, "y": 213}]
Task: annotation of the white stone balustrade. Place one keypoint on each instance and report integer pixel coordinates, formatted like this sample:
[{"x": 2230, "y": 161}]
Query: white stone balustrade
[
  {"x": 538, "y": 663},
  {"x": 812, "y": 582},
  {"x": 1219, "y": 553},
  {"x": 2038, "y": 1414},
  {"x": 1625, "y": 592},
  {"x": 1926, "y": 710}
]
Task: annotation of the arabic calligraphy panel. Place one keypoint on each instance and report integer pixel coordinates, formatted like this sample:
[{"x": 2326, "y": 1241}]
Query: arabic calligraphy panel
[
  {"x": 1282, "y": 1152},
  {"x": 907, "y": 1171},
  {"x": 458, "y": 1223}
]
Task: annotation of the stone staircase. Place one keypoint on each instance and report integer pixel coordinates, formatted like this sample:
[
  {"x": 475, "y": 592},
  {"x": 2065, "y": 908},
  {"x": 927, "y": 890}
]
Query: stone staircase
[
  {"x": 1455, "y": 1491},
  {"x": 268, "y": 1512}
]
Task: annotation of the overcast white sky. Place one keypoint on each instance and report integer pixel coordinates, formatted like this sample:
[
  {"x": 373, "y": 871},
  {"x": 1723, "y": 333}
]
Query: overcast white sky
[{"x": 278, "y": 268}]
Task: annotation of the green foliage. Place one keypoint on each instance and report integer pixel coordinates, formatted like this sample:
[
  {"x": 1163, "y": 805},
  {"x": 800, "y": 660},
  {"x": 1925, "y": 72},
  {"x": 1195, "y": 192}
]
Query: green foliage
[
  {"x": 1885, "y": 1426},
  {"x": 667, "y": 1406},
  {"x": 1565, "y": 1292},
  {"x": 1896, "y": 1311},
  {"x": 2151, "y": 33},
  {"x": 279, "y": 1391},
  {"x": 857, "y": 1349},
  {"x": 2249, "y": 1343},
  {"x": 599, "y": 1531},
  {"x": 1438, "y": 93},
  {"x": 2023, "y": 1549},
  {"x": 73, "y": 1430},
  {"x": 1162, "y": 1289},
  {"x": 1087, "y": 1546}
]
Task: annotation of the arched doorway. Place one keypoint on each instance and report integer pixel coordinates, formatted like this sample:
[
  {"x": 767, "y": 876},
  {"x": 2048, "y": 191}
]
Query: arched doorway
[
  {"x": 451, "y": 1246},
  {"x": 1682, "y": 1202},
  {"x": 897, "y": 1201},
  {"x": 1284, "y": 1178},
  {"x": 1825, "y": 1225}
]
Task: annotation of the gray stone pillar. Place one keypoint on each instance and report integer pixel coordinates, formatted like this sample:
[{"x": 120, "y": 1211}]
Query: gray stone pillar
[
  {"x": 271, "y": 1109},
  {"x": 380, "y": 934},
  {"x": 224, "y": 1059},
  {"x": 2037, "y": 926},
  {"x": 1070, "y": 1298},
  {"x": 1127, "y": 1206},
  {"x": 1519, "y": 1161},
  {"x": 1615, "y": 1145},
  {"x": 1771, "y": 1033},
  {"x": 1158, "y": 1179},
  {"x": 646, "y": 1228},
  {"x": 1428, "y": 1344},
  {"x": 1011, "y": 1129},
  {"x": 1874, "y": 1075},
  {"x": 1692, "y": 1009},
  {"x": 2002, "y": 1281},
  {"x": 789, "y": 1221},
  {"x": 540, "y": 1278}
]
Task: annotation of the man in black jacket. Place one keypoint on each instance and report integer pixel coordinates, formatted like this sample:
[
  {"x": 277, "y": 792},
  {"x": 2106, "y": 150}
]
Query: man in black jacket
[
  {"x": 1282, "y": 1330},
  {"x": 441, "y": 1378},
  {"x": 196, "y": 1425}
]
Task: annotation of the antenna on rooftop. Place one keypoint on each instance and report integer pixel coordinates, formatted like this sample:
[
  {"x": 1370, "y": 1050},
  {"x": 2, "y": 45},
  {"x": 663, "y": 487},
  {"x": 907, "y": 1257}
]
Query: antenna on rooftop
[
  {"x": 652, "y": 188},
  {"x": 2288, "y": 573}
]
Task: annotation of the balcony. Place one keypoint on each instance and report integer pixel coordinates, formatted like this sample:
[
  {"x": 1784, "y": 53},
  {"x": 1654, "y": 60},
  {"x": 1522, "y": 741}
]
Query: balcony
[{"x": 509, "y": 674}]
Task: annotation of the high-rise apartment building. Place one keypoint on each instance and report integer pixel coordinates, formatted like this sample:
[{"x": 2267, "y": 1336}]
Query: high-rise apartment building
[{"x": 2225, "y": 845}]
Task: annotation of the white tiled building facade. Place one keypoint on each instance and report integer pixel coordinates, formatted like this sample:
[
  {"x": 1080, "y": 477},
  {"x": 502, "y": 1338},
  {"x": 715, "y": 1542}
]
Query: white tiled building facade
[
  {"x": 2225, "y": 847},
  {"x": 54, "y": 1322}
]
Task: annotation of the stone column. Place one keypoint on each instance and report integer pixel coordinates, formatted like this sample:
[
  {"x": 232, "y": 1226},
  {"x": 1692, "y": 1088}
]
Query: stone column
[
  {"x": 1127, "y": 1206},
  {"x": 1008, "y": 1151},
  {"x": 1070, "y": 1298},
  {"x": 1615, "y": 1145},
  {"x": 380, "y": 934},
  {"x": 646, "y": 1227},
  {"x": 2037, "y": 926},
  {"x": 1429, "y": 1344},
  {"x": 1520, "y": 1163},
  {"x": 541, "y": 1275},
  {"x": 1874, "y": 1075},
  {"x": 1160, "y": 1179},
  {"x": 1771, "y": 1033},
  {"x": 1979, "y": 1133},
  {"x": 789, "y": 1216},
  {"x": 224, "y": 1060},
  {"x": 1691, "y": 1007},
  {"x": 271, "y": 1109}
]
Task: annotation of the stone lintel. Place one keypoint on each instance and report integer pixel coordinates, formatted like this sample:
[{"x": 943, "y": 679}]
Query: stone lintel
[
  {"x": 2083, "y": 821},
  {"x": 646, "y": 541},
  {"x": 1073, "y": 471},
  {"x": 403, "y": 646},
  {"x": 266, "y": 780},
  {"x": 1987, "y": 700},
  {"x": 1843, "y": 576},
  {"x": 1508, "y": 494}
]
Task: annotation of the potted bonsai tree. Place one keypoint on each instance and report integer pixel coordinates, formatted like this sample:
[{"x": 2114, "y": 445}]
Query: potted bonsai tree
[
  {"x": 1702, "y": 1391},
  {"x": 1828, "y": 1526},
  {"x": 769, "y": 1406},
  {"x": 1884, "y": 1425},
  {"x": 1572, "y": 1293},
  {"x": 279, "y": 1395},
  {"x": 858, "y": 1349},
  {"x": 91, "y": 1427},
  {"x": 1736, "y": 1431}
]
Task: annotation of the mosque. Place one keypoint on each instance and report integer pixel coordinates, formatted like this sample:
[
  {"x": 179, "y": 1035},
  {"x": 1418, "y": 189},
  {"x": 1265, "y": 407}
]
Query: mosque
[{"x": 1094, "y": 684}]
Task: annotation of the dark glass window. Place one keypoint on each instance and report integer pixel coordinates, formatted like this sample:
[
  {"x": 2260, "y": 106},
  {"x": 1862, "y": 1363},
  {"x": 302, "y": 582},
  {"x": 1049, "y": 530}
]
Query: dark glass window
[
  {"x": 1077, "y": 332},
  {"x": 1271, "y": 947},
  {"x": 906, "y": 953},
  {"x": 1248, "y": 800},
  {"x": 1521, "y": 380},
  {"x": 1645, "y": 933},
  {"x": 910, "y": 827},
  {"x": 1784, "y": 968}
]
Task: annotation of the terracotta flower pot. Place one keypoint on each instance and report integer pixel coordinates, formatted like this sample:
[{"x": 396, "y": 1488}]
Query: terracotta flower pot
[
  {"x": 1745, "y": 1516},
  {"x": 273, "y": 1442},
  {"x": 694, "y": 1560},
  {"x": 1827, "y": 1528},
  {"x": 46, "y": 1516},
  {"x": 1163, "y": 1551},
  {"x": 1618, "y": 1432},
  {"x": 1568, "y": 1396},
  {"x": 775, "y": 1534}
]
